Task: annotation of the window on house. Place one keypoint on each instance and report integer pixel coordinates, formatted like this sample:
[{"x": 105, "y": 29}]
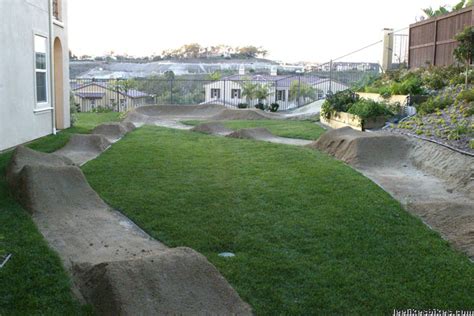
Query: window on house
[
  {"x": 41, "y": 69},
  {"x": 122, "y": 102},
  {"x": 56, "y": 7},
  {"x": 281, "y": 95},
  {"x": 215, "y": 93},
  {"x": 235, "y": 93}
]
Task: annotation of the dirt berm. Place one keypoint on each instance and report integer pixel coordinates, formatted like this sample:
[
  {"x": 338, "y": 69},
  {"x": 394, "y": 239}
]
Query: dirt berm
[
  {"x": 82, "y": 148},
  {"x": 213, "y": 128},
  {"x": 432, "y": 181},
  {"x": 264, "y": 134},
  {"x": 114, "y": 131},
  {"x": 116, "y": 267}
]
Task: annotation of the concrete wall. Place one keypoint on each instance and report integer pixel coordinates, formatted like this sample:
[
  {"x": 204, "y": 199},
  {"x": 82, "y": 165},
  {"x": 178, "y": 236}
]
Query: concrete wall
[{"x": 21, "y": 118}]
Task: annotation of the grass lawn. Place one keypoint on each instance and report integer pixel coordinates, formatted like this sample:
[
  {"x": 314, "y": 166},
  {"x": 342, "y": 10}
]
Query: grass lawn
[
  {"x": 284, "y": 128},
  {"x": 311, "y": 235},
  {"x": 34, "y": 282}
]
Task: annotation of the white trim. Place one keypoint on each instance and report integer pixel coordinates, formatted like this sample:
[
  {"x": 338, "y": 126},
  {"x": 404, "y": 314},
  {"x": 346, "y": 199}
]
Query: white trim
[
  {"x": 47, "y": 103},
  {"x": 41, "y": 110},
  {"x": 58, "y": 23}
]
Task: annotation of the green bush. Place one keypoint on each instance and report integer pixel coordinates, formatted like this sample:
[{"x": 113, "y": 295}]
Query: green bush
[
  {"x": 466, "y": 96},
  {"x": 274, "y": 107},
  {"x": 242, "y": 105},
  {"x": 260, "y": 106},
  {"x": 369, "y": 109},
  {"x": 340, "y": 101},
  {"x": 434, "y": 104}
]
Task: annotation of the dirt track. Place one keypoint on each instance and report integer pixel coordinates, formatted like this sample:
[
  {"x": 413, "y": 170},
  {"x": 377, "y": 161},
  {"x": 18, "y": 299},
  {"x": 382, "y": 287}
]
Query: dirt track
[
  {"x": 431, "y": 181},
  {"x": 116, "y": 266},
  {"x": 120, "y": 269}
]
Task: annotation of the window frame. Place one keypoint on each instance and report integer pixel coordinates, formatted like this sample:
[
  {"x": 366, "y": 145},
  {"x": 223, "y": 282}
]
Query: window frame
[
  {"x": 41, "y": 105},
  {"x": 218, "y": 93},
  {"x": 238, "y": 93},
  {"x": 281, "y": 95}
]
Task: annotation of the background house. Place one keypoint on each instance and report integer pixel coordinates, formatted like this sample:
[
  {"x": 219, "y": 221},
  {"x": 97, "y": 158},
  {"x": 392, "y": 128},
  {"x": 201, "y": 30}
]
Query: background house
[
  {"x": 107, "y": 94},
  {"x": 34, "y": 70},
  {"x": 284, "y": 90}
]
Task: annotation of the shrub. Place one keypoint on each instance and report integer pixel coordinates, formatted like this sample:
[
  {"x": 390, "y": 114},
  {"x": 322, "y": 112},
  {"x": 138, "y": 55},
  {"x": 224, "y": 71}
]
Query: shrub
[
  {"x": 274, "y": 107},
  {"x": 340, "y": 101},
  {"x": 260, "y": 106},
  {"x": 471, "y": 143},
  {"x": 466, "y": 96},
  {"x": 369, "y": 109},
  {"x": 434, "y": 104},
  {"x": 242, "y": 105}
]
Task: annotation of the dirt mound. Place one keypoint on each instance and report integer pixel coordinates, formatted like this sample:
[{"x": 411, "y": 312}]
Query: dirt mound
[
  {"x": 175, "y": 282},
  {"x": 112, "y": 131},
  {"x": 432, "y": 181},
  {"x": 263, "y": 134},
  {"x": 23, "y": 156},
  {"x": 252, "y": 133},
  {"x": 82, "y": 148},
  {"x": 364, "y": 149},
  {"x": 214, "y": 128},
  {"x": 128, "y": 271},
  {"x": 244, "y": 114}
]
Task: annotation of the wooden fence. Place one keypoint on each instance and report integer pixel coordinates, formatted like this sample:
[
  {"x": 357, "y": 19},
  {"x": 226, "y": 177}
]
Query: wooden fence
[{"x": 432, "y": 41}]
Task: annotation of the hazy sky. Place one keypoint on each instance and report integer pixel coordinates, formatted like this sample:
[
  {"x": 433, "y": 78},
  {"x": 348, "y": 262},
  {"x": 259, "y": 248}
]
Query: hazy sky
[{"x": 291, "y": 30}]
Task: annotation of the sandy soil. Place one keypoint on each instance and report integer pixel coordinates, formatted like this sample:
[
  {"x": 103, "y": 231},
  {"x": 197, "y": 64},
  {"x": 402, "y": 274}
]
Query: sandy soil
[{"x": 431, "y": 181}]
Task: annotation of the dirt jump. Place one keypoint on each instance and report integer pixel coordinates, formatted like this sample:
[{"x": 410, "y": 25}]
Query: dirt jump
[
  {"x": 171, "y": 115},
  {"x": 261, "y": 134},
  {"x": 116, "y": 267},
  {"x": 431, "y": 181}
]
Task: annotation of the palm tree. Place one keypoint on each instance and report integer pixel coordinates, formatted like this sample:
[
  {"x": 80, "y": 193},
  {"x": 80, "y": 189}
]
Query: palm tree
[
  {"x": 249, "y": 90},
  {"x": 262, "y": 92}
]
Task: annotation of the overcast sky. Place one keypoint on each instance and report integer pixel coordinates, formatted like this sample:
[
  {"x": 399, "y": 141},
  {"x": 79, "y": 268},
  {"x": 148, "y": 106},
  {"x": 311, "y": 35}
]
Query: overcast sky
[{"x": 295, "y": 30}]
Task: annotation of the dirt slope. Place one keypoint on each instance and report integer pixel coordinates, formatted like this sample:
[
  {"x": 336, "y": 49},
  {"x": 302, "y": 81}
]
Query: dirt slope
[{"x": 432, "y": 181}]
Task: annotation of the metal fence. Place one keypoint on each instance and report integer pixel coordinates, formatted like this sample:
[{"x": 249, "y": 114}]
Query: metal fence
[{"x": 236, "y": 91}]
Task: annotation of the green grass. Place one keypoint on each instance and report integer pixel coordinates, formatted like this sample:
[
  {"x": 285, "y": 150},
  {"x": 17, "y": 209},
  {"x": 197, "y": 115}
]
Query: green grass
[
  {"x": 90, "y": 120},
  {"x": 284, "y": 128},
  {"x": 311, "y": 235},
  {"x": 34, "y": 282}
]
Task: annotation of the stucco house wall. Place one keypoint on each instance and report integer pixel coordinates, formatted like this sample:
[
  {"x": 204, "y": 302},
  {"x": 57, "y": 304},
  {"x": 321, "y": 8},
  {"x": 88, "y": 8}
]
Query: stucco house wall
[{"x": 22, "y": 119}]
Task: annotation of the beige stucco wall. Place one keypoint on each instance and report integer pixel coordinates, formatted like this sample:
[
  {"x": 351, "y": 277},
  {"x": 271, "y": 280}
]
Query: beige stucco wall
[{"x": 21, "y": 119}]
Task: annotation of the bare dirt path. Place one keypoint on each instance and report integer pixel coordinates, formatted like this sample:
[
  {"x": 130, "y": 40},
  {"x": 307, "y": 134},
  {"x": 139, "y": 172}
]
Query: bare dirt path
[{"x": 431, "y": 181}]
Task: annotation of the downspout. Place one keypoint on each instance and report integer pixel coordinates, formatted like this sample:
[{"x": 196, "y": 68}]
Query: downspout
[{"x": 51, "y": 68}]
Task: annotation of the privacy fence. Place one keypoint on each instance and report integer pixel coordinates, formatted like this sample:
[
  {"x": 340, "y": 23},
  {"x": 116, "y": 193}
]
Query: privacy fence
[
  {"x": 432, "y": 42},
  {"x": 236, "y": 91}
]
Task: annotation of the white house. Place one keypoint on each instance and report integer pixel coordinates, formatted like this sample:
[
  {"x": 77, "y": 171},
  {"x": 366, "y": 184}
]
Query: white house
[
  {"x": 230, "y": 91},
  {"x": 34, "y": 70}
]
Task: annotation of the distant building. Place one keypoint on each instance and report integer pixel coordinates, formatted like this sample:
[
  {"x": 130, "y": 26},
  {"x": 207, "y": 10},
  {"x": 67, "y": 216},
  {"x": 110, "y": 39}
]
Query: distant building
[
  {"x": 94, "y": 95},
  {"x": 34, "y": 70},
  {"x": 229, "y": 90}
]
